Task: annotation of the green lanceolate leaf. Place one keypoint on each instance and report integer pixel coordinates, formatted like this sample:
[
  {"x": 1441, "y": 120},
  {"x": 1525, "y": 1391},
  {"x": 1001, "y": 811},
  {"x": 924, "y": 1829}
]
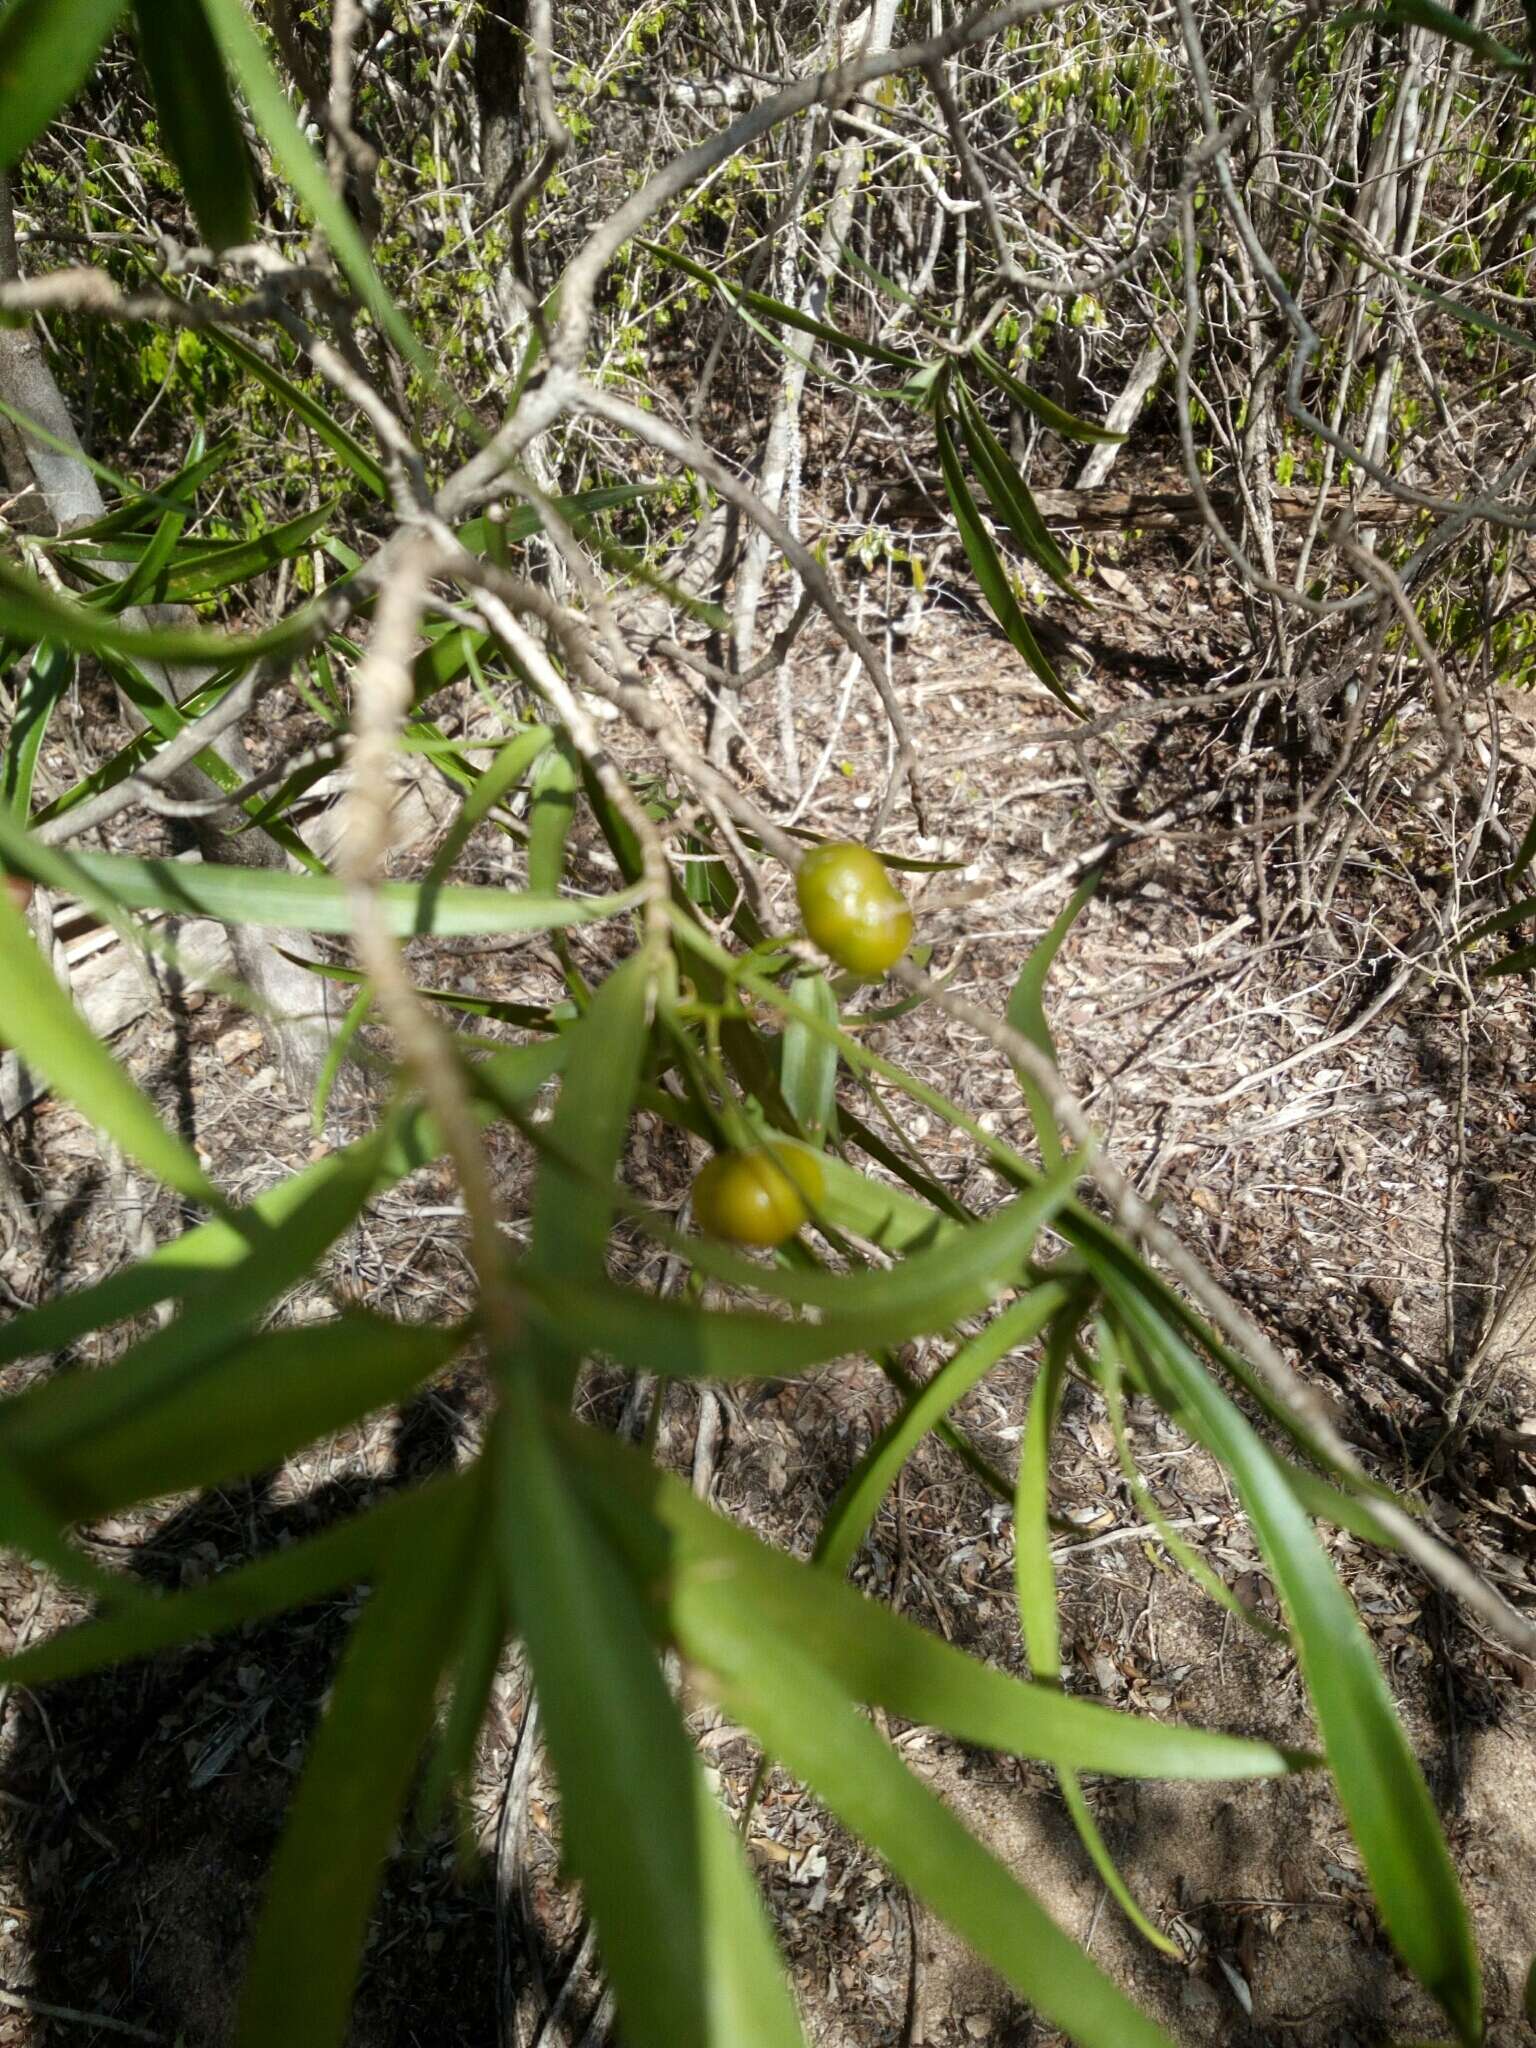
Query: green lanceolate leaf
[
  {"x": 776, "y": 309},
  {"x": 808, "y": 1061},
  {"x": 31, "y": 1525},
  {"x": 1429, "y": 14},
  {"x": 806, "y": 1721},
  {"x": 858, "y": 1503},
  {"x": 482, "y": 1636},
  {"x": 46, "y": 53},
  {"x": 522, "y": 522},
  {"x": 33, "y": 613},
  {"x": 681, "y": 1930},
  {"x": 236, "y": 1264},
  {"x": 237, "y": 37},
  {"x": 142, "y": 508},
  {"x": 244, "y": 1260},
  {"x": 294, "y": 1220},
  {"x": 591, "y": 1120},
  {"x": 49, "y": 675},
  {"x": 552, "y": 806},
  {"x": 573, "y": 1211},
  {"x": 1108, "y": 1368},
  {"x": 1010, "y": 496},
  {"x": 858, "y": 1312},
  {"x": 196, "y": 576},
  {"x": 1378, "y": 1778},
  {"x": 988, "y": 569},
  {"x": 144, "y": 582},
  {"x": 40, "y": 1021},
  {"x": 715, "y": 1584},
  {"x": 318, "y": 903},
  {"x": 303, "y": 1961},
  {"x": 1067, "y": 424},
  {"x": 1035, "y": 1581},
  {"x": 61, "y": 1411},
  {"x": 1026, "y": 1013},
  {"x": 249, "y": 1407},
  {"x": 502, "y": 774},
  {"x": 1526, "y": 852},
  {"x": 315, "y": 416},
  {"x": 356, "y": 1549},
  {"x": 198, "y": 124}
]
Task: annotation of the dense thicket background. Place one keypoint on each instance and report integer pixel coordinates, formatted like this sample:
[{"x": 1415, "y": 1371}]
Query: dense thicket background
[{"x": 1086, "y": 454}]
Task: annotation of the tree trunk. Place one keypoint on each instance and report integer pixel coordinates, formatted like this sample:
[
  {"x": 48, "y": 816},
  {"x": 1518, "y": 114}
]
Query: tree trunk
[{"x": 500, "y": 41}]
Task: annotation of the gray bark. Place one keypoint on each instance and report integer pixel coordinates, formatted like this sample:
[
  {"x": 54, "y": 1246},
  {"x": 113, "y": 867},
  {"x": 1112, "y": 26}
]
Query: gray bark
[{"x": 500, "y": 40}]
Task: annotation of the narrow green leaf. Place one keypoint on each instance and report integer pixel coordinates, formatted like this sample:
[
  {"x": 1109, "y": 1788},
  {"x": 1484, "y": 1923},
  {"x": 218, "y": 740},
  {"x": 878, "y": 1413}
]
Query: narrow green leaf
[
  {"x": 1035, "y": 1582},
  {"x": 590, "y": 1123},
  {"x": 303, "y": 1961},
  {"x": 1379, "y": 1781},
  {"x": 59, "y": 1411},
  {"x": 40, "y": 1021},
  {"x": 1500, "y": 921},
  {"x": 355, "y": 1549},
  {"x": 337, "y": 1051},
  {"x": 198, "y": 124},
  {"x": 143, "y": 583},
  {"x": 809, "y": 1724},
  {"x": 552, "y": 807},
  {"x": 294, "y": 1220},
  {"x": 46, "y": 438},
  {"x": 1108, "y": 1368},
  {"x": 529, "y": 1016},
  {"x": 522, "y": 522},
  {"x": 1429, "y": 14},
  {"x": 681, "y": 1929},
  {"x": 503, "y": 773},
  {"x": 1010, "y": 495},
  {"x": 34, "y": 613},
  {"x": 1026, "y": 1013},
  {"x": 989, "y": 571},
  {"x": 31, "y": 1525},
  {"x": 49, "y": 675},
  {"x": 858, "y": 1502},
  {"x": 250, "y": 1406},
  {"x": 46, "y": 54},
  {"x": 141, "y": 506},
  {"x": 862, "y": 1311},
  {"x": 247, "y": 59},
  {"x": 776, "y": 309},
  {"x": 318, "y": 903},
  {"x": 167, "y": 720},
  {"x": 1345, "y": 1510},
  {"x": 195, "y": 577},
  {"x": 808, "y": 1060},
  {"x": 1067, "y": 424},
  {"x": 1519, "y": 962},
  {"x": 310, "y": 410},
  {"x": 483, "y": 1634},
  {"x": 715, "y": 1582}
]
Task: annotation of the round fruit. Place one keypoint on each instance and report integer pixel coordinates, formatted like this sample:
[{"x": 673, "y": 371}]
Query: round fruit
[
  {"x": 756, "y": 1197},
  {"x": 852, "y": 908}
]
